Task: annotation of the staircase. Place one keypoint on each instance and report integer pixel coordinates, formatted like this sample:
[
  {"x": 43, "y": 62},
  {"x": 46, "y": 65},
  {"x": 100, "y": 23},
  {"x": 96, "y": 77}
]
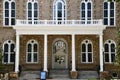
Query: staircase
[
  {"x": 88, "y": 75},
  {"x": 59, "y": 74}
]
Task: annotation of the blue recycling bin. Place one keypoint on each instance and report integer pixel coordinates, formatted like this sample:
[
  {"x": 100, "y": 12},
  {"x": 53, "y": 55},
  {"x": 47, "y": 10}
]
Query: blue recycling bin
[{"x": 42, "y": 75}]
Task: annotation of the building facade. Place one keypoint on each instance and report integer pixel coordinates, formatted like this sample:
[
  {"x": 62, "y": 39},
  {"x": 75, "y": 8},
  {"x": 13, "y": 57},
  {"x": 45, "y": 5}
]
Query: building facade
[{"x": 59, "y": 34}]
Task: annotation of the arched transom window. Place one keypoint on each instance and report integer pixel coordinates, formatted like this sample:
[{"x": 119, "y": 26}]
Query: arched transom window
[
  {"x": 86, "y": 10},
  {"x": 9, "y": 12},
  {"x": 32, "y": 51},
  {"x": 87, "y": 51},
  {"x": 59, "y": 10},
  {"x": 32, "y": 10},
  {"x": 109, "y": 51},
  {"x": 109, "y": 13},
  {"x": 8, "y": 52}
]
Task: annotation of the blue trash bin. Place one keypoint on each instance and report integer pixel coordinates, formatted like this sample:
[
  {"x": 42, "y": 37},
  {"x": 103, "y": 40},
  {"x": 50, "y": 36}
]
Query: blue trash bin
[{"x": 42, "y": 75}]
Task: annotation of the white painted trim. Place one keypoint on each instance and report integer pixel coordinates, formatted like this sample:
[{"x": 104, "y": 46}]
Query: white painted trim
[
  {"x": 9, "y": 52},
  {"x": 32, "y": 52},
  {"x": 89, "y": 42}
]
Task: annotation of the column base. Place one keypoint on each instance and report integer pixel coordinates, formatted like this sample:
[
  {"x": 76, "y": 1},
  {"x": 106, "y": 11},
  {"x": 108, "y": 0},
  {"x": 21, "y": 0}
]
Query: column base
[
  {"x": 105, "y": 75},
  {"x": 74, "y": 74}
]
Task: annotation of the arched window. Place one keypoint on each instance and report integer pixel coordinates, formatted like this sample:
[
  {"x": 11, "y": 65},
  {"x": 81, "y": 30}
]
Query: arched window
[
  {"x": 87, "y": 51},
  {"x": 109, "y": 51},
  {"x": 109, "y": 13},
  {"x": 59, "y": 11},
  {"x": 32, "y": 10},
  {"x": 86, "y": 10},
  {"x": 9, "y": 12},
  {"x": 8, "y": 51},
  {"x": 32, "y": 51}
]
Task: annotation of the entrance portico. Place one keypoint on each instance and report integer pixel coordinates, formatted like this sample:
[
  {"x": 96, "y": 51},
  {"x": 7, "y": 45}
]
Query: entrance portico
[{"x": 59, "y": 30}]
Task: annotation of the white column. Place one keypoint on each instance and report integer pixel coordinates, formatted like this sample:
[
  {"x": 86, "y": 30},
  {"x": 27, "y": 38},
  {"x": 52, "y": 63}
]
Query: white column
[
  {"x": 73, "y": 53},
  {"x": 101, "y": 51},
  {"x": 45, "y": 53},
  {"x": 17, "y": 54}
]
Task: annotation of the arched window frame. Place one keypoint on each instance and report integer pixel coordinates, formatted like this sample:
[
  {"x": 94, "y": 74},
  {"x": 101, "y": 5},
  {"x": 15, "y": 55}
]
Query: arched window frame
[
  {"x": 86, "y": 10},
  {"x": 108, "y": 17},
  {"x": 11, "y": 18},
  {"x": 109, "y": 52},
  {"x": 32, "y": 53},
  {"x": 86, "y": 42},
  {"x": 9, "y": 52},
  {"x": 55, "y": 10},
  {"x": 32, "y": 18}
]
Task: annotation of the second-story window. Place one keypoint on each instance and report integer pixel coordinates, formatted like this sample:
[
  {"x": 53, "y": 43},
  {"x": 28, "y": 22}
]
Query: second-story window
[
  {"x": 109, "y": 13},
  {"x": 59, "y": 10},
  {"x": 8, "y": 12},
  {"x": 32, "y": 10},
  {"x": 86, "y": 10}
]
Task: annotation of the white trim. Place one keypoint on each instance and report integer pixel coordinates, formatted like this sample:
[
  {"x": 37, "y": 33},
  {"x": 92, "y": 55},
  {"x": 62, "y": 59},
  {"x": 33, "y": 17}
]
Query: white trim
[
  {"x": 109, "y": 52},
  {"x": 9, "y": 51},
  {"x": 84, "y": 42},
  {"x": 10, "y": 17},
  {"x": 32, "y": 51}
]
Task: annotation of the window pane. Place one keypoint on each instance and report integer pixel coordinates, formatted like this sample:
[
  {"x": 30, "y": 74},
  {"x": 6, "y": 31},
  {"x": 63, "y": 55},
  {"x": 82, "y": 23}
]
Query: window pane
[
  {"x": 35, "y": 13},
  {"x": 89, "y": 57},
  {"x": 83, "y": 48},
  {"x": 83, "y": 6},
  {"x": 59, "y": 5},
  {"x": 83, "y": 13},
  {"x": 106, "y": 57},
  {"x": 6, "y": 21},
  {"x": 29, "y": 13},
  {"x": 111, "y": 13},
  {"x": 112, "y": 48},
  {"x": 112, "y": 57},
  {"x": 6, "y": 5},
  {"x": 12, "y": 5},
  {"x": 89, "y": 14},
  {"x": 106, "y": 48},
  {"x": 13, "y": 21},
  {"x": 12, "y": 13},
  {"x": 111, "y": 5},
  {"x": 29, "y": 47},
  {"x": 29, "y": 6},
  {"x": 5, "y": 47},
  {"x": 35, "y": 6},
  {"x": 59, "y": 13},
  {"x": 105, "y": 5},
  {"x": 12, "y": 48},
  {"x": 105, "y": 21},
  {"x": 12, "y": 58},
  {"x": 89, "y": 48},
  {"x": 89, "y": 6},
  {"x": 83, "y": 57},
  {"x": 111, "y": 21},
  {"x": 29, "y": 58},
  {"x": 35, "y": 57},
  {"x": 5, "y": 57},
  {"x": 35, "y": 47},
  {"x": 105, "y": 13},
  {"x": 6, "y": 13}
]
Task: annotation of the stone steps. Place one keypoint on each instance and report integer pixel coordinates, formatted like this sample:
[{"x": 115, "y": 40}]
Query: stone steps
[
  {"x": 88, "y": 75},
  {"x": 59, "y": 74}
]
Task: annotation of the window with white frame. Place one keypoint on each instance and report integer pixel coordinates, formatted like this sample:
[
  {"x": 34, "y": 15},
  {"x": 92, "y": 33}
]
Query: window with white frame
[
  {"x": 109, "y": 13},
  {"x": 9, "y": 12},
  {"x": 86, "y": 10},
  {"x": 8, "y": 52},
  {"x": 87, "y": 51},
  {"x": 109, "y": 51},
  {"x": 32, "y": 10},
  {"x": 59, "y": 10},
  {"x": 32, "y": 51}
]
